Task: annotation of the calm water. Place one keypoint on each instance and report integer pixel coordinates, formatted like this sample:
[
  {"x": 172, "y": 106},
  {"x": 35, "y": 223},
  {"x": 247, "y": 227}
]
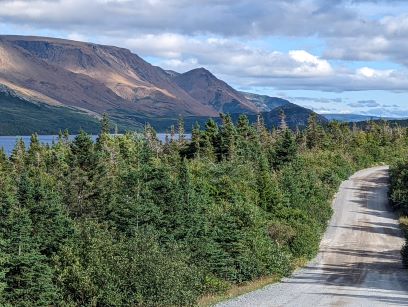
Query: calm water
[{"x": 8, "y": 142}]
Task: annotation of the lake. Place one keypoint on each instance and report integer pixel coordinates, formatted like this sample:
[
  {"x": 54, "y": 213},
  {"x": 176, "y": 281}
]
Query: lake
[{"x": 8, "y": 142}]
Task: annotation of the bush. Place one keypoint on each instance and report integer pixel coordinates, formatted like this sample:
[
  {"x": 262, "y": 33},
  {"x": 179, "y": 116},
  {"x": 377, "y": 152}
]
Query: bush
[
  {"x": 404, "y": 254},
  {"x": 281, "y": 233}
]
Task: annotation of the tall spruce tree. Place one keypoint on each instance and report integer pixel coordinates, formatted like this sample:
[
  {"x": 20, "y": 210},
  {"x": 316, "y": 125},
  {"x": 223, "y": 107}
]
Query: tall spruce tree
[
  {"x": 285, "y": 149},
  {"x": 227, "y": 138},
  {"x": 314, "y": 132}
]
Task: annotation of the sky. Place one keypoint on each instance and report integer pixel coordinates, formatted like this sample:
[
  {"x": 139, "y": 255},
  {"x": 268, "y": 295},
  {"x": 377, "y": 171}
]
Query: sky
[{"x": 334, "y": 56}]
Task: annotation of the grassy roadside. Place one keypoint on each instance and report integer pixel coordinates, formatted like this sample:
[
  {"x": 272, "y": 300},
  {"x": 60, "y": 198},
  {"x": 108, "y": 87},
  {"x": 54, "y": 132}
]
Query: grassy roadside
[
  {"x": 237, "y": 290},
  {"x": 398, "y": 197},
  {"x": 403, "y": 221},
  {"x": 241, "y": 289}
]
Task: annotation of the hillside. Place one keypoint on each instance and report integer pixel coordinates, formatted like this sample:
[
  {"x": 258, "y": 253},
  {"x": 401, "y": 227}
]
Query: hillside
[
  {"x": 350, "y": 117},
  {"x": 392, "y": 123},
  {"x": 203, "y": 86},
  {"x": 20, "y": 117},
  {"x": 80, "y": 81},
  {"x": 93, "y": 77},
  {"x": 265, "y": 103}
]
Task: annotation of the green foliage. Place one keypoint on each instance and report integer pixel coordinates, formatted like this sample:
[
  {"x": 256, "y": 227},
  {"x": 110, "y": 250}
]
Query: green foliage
[
  {"x": 404, "y": 254},
  {"x": 399, "y": 187},
  {"x": 128, "y": 221},
  {"x": 20, "y": 117},
  {"x": 399, "y": 198},
  {"x": 102, "y": 268}
]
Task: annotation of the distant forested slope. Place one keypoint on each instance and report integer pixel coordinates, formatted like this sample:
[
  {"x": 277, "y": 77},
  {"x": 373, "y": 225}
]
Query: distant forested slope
[{"x": 20, "y": 117}]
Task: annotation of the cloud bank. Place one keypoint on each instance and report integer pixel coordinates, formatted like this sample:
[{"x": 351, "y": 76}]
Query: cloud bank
[{"x": 348, "y": 45}]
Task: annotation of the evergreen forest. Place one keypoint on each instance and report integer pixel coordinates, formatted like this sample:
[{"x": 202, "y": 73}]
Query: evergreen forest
[{"x": 130, "y": 221}]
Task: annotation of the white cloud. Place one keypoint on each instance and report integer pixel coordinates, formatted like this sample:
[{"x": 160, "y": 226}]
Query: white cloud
[
  {"x": 242, "y": 64},
  {"x": 310, "y": 64},
  {"x": 77, "y": 36},
  {"x": 220, "y": 35}
]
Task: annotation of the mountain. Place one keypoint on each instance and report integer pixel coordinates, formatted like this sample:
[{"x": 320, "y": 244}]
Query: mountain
[
  {"x": 55, "y": 83},
  {"x": 203, "y": 86},
  {"x": 296, "y": 116},
  {"x": 402, "y": 123},
  {"x": 92, "y": 77},
  {"x": 350, "y": 117},
  {"x": 265, "y": 103}
]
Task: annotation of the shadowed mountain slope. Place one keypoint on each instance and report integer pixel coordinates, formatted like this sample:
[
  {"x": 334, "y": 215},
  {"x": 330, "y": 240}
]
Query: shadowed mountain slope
[
  {"x": 86, "y": 80},
  {"x": 213, "y": 92},
  {"x": 93, "y": 77}
]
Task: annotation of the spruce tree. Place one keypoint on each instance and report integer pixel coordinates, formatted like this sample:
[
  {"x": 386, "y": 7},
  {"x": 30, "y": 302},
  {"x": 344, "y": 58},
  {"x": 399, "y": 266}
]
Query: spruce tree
[
  {"x": 285, "y": 149},
  {"x": 227, "y": 138},
  {"x": 314, "y": 132},
  {"x": 18, "y": 156},
  {"x": 211, "y": 142},
  {"x": 181, "y": 130},
  {"x": 82, "y": 162},
  {"x": 282, "y": 117},
  {"x": 28, "y": 276},
  {"x": 195, "y": 144},
  {"x": 105, "y": 124}
]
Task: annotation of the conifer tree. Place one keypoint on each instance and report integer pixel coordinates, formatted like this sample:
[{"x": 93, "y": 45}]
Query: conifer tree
[
  {"x": 194, "y": 146},
  {"x": 28, "y": 276},
  {"x": 245, "y": 136},
  {"x": 18, "y": 156},
  {"x": 80, "y": 181},
  {"x": 151, "y": 138},
  {"x": 285, "y": 149},
  {"x": 211, "y": 146},
  {"x": 314, "y": 132},
  {"x": 282, "y": 125},
  {"x": 262, "y": 133},
  {"x": 105, "y": 124},
  {"x": 181, "y": 130},
  {"x": 35, "y": 152},
  {"x": 227, "y": 137}
]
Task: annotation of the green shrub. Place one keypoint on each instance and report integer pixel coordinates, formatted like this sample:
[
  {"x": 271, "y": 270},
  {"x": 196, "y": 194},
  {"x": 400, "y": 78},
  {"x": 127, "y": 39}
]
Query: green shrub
[{"x": 404, "y": 254}]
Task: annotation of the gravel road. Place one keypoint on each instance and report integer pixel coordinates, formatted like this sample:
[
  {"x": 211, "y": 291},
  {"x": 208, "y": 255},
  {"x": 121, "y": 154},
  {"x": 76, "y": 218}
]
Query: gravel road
[{"x": 359, "y": 261}]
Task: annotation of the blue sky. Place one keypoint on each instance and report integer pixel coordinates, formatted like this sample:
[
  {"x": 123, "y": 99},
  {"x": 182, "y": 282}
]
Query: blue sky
[{"x": 335, "y": 56}]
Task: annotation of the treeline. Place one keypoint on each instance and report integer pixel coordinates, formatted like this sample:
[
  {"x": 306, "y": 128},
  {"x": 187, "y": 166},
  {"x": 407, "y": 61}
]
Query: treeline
[
  {"x": 399, "y": 199},
  {"x": 128, "y": 221}
]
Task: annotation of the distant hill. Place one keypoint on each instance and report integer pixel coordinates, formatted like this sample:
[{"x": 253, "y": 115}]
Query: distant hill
[
  {"x": 392, "y": 122},
  {"x": 20, "y": 117},
  {"x": 351, "y": 117},
  {"x": 265, "y": 103},
  {"x": 71, "y": 84},
  {"x": 296, "y": 116}
]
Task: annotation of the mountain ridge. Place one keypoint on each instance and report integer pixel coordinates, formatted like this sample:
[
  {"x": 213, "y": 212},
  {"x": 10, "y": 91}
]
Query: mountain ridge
[
  {"x": 202, "y": 85},
  {"x": 92, "y": 79}
]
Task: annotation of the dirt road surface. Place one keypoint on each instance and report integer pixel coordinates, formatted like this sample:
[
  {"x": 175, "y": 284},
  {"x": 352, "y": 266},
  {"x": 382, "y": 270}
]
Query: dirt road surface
[{"x": 359, "y": 262}]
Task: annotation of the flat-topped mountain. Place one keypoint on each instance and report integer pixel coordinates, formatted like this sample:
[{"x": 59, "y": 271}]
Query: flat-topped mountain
[
  {"x": 89, "y": 76},
  {"x": 91, "y": 79}
]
